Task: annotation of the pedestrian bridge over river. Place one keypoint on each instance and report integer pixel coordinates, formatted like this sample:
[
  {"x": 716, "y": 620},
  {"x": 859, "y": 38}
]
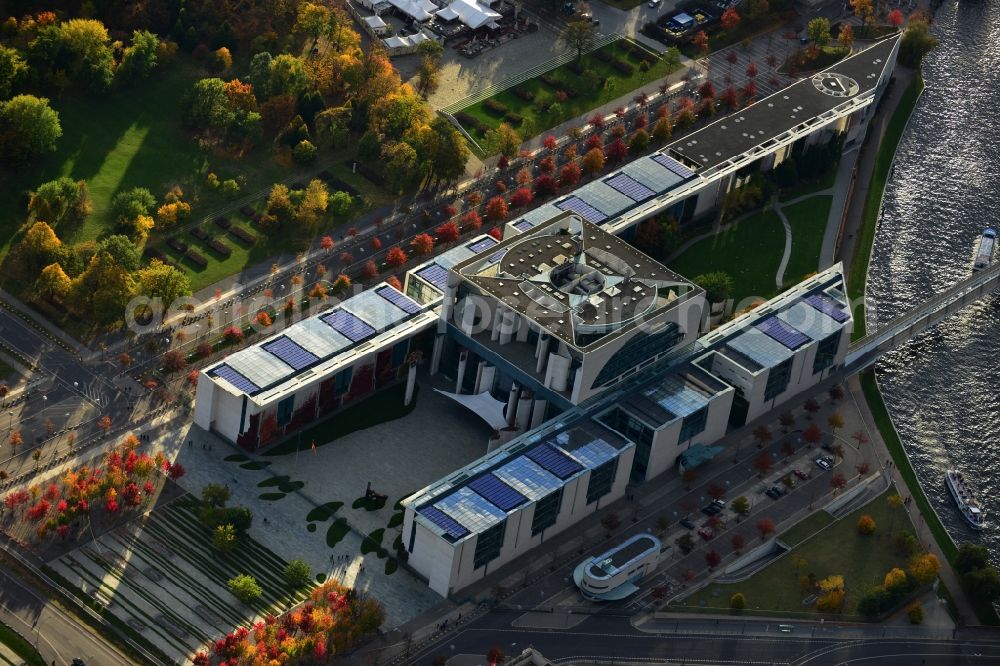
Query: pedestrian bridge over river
[{"x": 865, "y": 351}]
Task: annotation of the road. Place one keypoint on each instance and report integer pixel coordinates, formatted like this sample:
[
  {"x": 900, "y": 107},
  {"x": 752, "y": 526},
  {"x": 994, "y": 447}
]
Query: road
[
  {"x": 57, "y": 636},
  {"x": 699, "y": 641}
]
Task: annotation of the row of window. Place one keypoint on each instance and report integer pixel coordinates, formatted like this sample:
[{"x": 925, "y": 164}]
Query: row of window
[{"x": 490, "y": 542}]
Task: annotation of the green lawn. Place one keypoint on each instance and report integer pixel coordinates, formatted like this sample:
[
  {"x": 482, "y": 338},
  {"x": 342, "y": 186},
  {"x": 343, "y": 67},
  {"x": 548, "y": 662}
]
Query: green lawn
[
  {"x": 383, "y": 406},
  {"x": 839, "y": 549},
  {"x": 799, "y": 61},
  {"x": 6, "y": 371},
  {"x": 587, "y": 96},
  {"x": 808, "y": 220},
  {"x": 824, "y": 182},
  {"x": 750, "y": 252},
  {"x": 20, "y": 646},
  {"x": 866, "y": 236},
  {"x": 806, "y": 528}
]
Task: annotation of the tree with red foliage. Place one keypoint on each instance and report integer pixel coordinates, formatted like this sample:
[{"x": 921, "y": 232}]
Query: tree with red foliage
[
  {"x": 862, "y": 469},
  {"x": 547, "y": 164},
  {"x": 104, "y": 423},
  {"x": 550, "y": 142},
  {"x": 326, "y": 243},
  {"x": 895, "y": 18},
  {"x": 204, "y": 349},
  {"x": 838, "y": 482},
  {"x": 730, "y": 98},
  {"x": 732, "y": 58},
  {"x": 730, "y": 18},
  {"x": 545, "y": 185},
  {"x": 368, "y": 270},
  {"x": 593, "y": 141},
  {"x": 396, "y": 256},
  {"x": 712, "y": 558},
  {"x": 394, "y": 282},
  {"x": 38, "y": 511},
  {"x": 521, "y": 197},
  {"x": 700, "y": 42},
  {"x": 616, "y": 151},
  {"x": 765, "y": 527},
  {"x": 472, "y": 221},
  {"x": 176, "y": 471},
  {"x": 569, "y": 175},
  {"x": 749, "y": 91},
  {"x": 597, "y": 121},
  {"x": 346, "y": 258},
  {"x": 787, "y": 448},
  {"x": 752, "y": 70},
  {"x": 15, "y": 439},
  {"x": 16, "y": 499},
  {"x": 811, "y": 406},
  {"x": 503, "y": 162},
  {"x": 496, "y": 209},
  {"x": 738, "y": 541},
  {"x": 125, "y": 359},
  {"x": 448, "y": 232},
  {"x": 376, "y": 244},
  {"x": 716, "y": 491},
  {"x": 495, "y": 233},
  {"x": 192, "y": 378},
  {"x": 707, "y": 90},
  {"x": 233, "y": 334},
  {"x": 51, "y": 493},
  {"x": 421, "y": 245},
  {"x": 763, "y": 463},
  {"x": 813, "y": 435},
  {"x": 173, "y": 360}
]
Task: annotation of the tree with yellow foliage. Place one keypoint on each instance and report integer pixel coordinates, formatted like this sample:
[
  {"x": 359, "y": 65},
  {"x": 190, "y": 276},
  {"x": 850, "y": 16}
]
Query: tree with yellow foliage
[
  {"x": 924, "y": 568},
  {"x": 53, "y": 282},
  {"x": 895, "y": 579}
]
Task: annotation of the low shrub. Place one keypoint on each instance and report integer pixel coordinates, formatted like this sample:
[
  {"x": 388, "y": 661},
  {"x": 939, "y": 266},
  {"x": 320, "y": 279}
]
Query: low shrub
[
  {"x": 495, "y": 106},
  {"x": 524, "y": 94},
  {"x": 242, "y": 235},
  {"x": 222, "y": 222},
  {"x": 551, "y": 81},
  {"x": 514, "y": 119},
  {"x": 177, "y": 244},
  {"x": 200, "y": 234},
  {"x": 196, "y": 258},
  {"x": 575, "y": 67},
  {"x": 219, "y": 247},
  {"x": 623, "y": 67}
]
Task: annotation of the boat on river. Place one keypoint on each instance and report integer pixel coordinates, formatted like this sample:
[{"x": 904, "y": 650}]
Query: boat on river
[
  {"x": 983, "y": 255},
  {"x": 965, "y": 499}
]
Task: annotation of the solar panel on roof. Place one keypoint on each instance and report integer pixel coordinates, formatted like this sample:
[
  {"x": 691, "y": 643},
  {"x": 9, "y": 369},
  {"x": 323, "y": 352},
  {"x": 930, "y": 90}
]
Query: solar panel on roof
[
  {"x": 401, "y": 301},
  {"x": 482, "y": 244},
  {"x": 496, "y": 256},
  {"x": 549, "y": 459},
  {"x": 674, "y": 166},
  {"x": 435, "y": 274},
  {"x": 350, "y": 326},
  {"x": 497, "y": 492},
  {"x": 235, "y": 378},
  {"x": 290, "y": 352},
  {"x": 523, "y": 225},
  {"x": 782, "y": 332},
  {"x": 578, "y": 205},
  {"x": 449, "y": 525},
  {"x": 630, "y": 187},
  {"x": 827, "y": 306}
]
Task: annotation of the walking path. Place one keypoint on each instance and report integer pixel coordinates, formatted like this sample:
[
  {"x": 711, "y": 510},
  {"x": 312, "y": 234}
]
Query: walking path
[{"x": 779, "y": 277}]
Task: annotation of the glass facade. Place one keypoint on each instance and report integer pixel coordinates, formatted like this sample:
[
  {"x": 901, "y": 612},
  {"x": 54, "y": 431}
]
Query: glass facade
[
  {"x": 777, "y": 380},
  {"x": 601, "y": 480},
  {"x": 488, "y": 545},
  {"x": 636, "y": 351},
  {"x": 285, "y": 409},
  {"x": 637, "y": 431},
  {"x": 826, "y": 351},
  {"x": 693, "y": 424},
  {"x": 546, "y": 512}
]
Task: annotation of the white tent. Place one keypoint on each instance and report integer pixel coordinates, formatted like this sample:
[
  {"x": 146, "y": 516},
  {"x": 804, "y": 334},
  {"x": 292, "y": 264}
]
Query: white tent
[
  {"x": 469, "y": 12},
  {"x": 484, "y": 405},
  {"x": 397, "y": 42},
  {"x": 419, "y": 38},
  {"x": 375, "y": 22},
  {"x": 416, "y": 9}
]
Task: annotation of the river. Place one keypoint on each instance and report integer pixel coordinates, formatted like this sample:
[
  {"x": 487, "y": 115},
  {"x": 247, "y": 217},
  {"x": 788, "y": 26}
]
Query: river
[{"x": 943, "y": 390}]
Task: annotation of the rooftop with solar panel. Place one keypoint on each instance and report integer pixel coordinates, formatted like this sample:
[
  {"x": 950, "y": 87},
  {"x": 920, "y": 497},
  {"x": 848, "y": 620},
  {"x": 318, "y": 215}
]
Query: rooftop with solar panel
[
  {"x": 336, "y": 335},
  {"x": 575, "y": 280},
  {"x": 480, "y": 495}
]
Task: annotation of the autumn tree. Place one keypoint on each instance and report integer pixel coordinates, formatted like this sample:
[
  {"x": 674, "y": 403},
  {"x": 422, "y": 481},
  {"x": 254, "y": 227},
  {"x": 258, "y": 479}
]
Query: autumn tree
[
  {"x": 224, "y": 538},
  {"x": 421, "y": 245},
  {"x": 737, "y": 601},
  {"x": 15, "y": 439},
  {"x": 700, "y": 42},
  {"x": 396, "y": 256},
  {"x": 741, "y": 505},
  {"x": 712, "y": 559},
  {"x": 569, "y": 175},
  {"x": 496, "y": 209},
  {"x": 28, "y": 128},
  {"x": 53, "y": 282},
  {"x": 521, "y": 197},
  {"x": 812, "y": 435},
  {"x": 917, "y": 42},
  {"x": 60, "y": 199},
  {"x": 447, "y": 233},
  {"x": 838, "y": 482},
  {"x": 738, "y": 542},
  {"x": 924, "y": 568},
  {"x": 13, "y": 69},
  {"x": 730, "y": 18},
  {"x": 765, "y": 527},
  {"x": 763, "y": 463},
  {"x": 864, "y": 9},
  {"x": 846, "y": 36},
  {"x": 593, "y": 161},
  {"x": 578, "y": 36},
  {"x": 503, "y": 140},
  {"x": 369, "y": 270},
  {"x": 818, "y": 31}
]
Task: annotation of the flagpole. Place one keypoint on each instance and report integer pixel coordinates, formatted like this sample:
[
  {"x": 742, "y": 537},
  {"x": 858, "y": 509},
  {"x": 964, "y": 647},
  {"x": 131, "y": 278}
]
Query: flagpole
[{"x": 298, "y": 445}]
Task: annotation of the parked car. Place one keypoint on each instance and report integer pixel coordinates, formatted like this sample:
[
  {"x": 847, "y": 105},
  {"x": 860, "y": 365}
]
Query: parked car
[
  {"x": 711, "y": 510},
  {"x": 802, "y": 474},
  {"x": 824, "y": 462},
  {"x": 706, "y": 533},
  {"x": 775, "y": 492},
  {"x": 719, "y": 503},
  {"x": 686, "y": 522}
]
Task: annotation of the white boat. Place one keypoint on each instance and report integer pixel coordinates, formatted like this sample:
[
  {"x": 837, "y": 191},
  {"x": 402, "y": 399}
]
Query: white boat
[
  {"x": 983, "y": 256},
  {"x": 968, "y": 505}
]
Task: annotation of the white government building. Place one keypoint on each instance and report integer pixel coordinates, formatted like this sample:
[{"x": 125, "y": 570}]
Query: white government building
[{"x": 593, "y": 362}]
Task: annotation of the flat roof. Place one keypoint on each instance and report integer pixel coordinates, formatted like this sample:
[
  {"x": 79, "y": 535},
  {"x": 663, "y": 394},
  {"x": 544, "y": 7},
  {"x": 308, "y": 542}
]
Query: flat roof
[
  {"x": 782, "y": 111},
  {"x": 575, "y": 280},
  {"x": 618, "y": 558},
  {"x": 485, "y": 491}
]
